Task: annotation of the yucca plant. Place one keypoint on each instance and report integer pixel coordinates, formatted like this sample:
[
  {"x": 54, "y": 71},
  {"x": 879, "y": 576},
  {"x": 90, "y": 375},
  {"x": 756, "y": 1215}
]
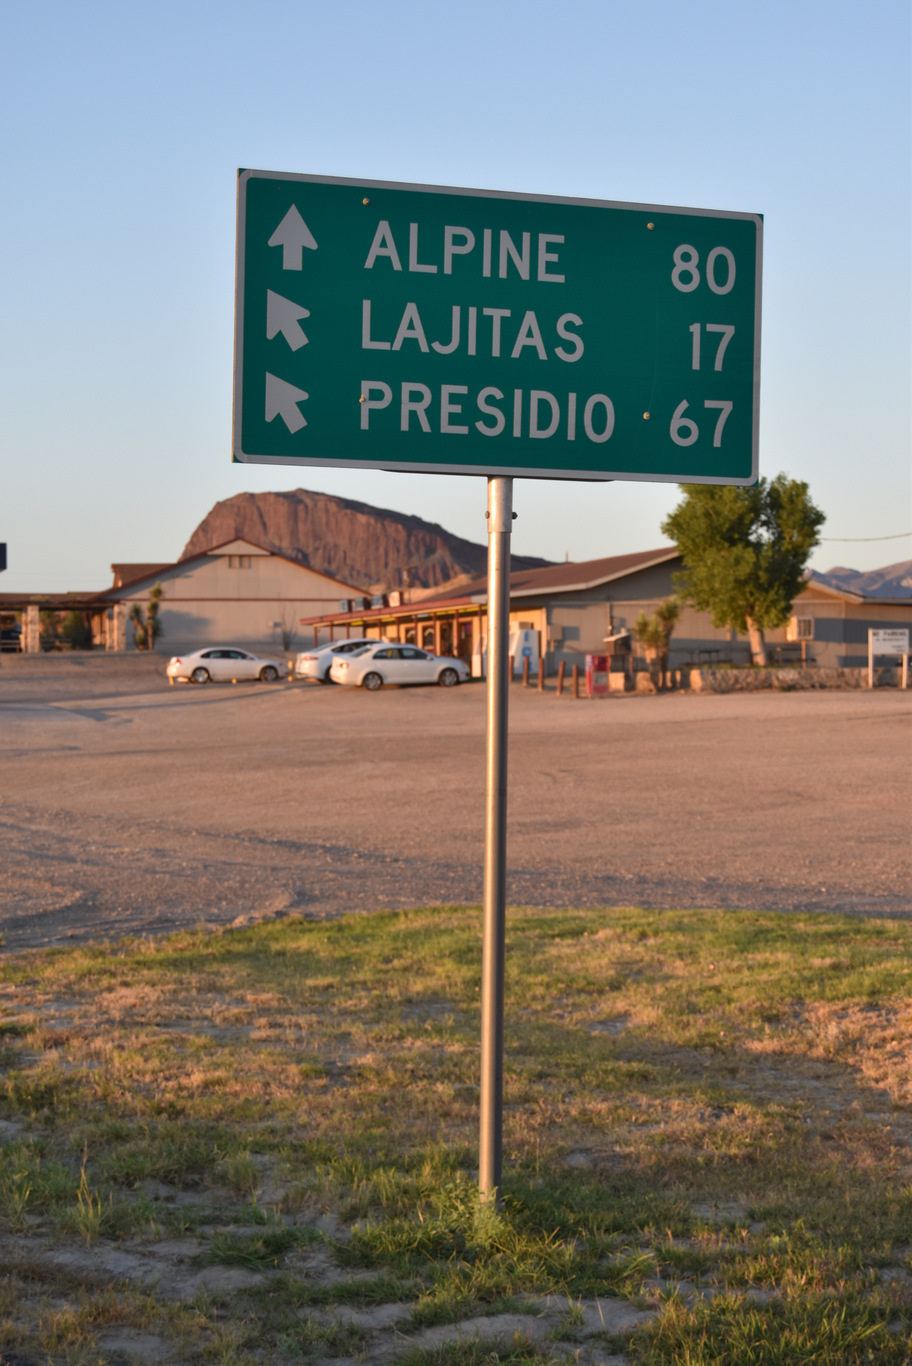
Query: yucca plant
[
  {"x": 147, "y": 627},
  {"x": 653, "y": 634}
]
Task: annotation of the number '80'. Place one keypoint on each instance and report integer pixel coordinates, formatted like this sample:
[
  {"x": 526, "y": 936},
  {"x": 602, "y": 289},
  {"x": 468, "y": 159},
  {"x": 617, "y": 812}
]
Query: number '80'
[{"x": 686, "y": 273}]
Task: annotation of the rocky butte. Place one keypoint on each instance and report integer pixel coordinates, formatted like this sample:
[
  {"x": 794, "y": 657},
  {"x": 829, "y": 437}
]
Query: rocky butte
[{"x": 367, "y": 546}]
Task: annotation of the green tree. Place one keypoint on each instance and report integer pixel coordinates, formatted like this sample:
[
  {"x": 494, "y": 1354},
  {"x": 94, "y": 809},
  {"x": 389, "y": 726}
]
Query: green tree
[
  {"x": 77, "y": 630},
  {"x": 50, "y": 628},
  {"x": 745, "y": 551}
]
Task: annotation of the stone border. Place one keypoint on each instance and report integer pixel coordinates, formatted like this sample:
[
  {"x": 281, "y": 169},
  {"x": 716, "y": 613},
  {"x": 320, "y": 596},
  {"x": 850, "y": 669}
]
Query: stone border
[{"x": 790, "y": 679}]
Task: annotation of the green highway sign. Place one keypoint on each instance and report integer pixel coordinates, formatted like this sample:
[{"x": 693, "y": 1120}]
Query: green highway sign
[{"x": 416, "y": 327}]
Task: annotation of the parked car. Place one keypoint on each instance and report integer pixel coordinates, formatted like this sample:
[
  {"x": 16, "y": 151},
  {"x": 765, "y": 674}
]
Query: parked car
[
  {"x": 379, "y": 663},
  {"x": 316, "y": 663},
  {"x": 222, "y": 664}
]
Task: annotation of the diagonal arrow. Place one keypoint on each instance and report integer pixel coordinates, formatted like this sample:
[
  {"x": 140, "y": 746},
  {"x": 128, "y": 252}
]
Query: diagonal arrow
[
  {"x": 282, "y": 401},
  {"x": 293, "y": 235},
  {"x": 282, "y": 316}
]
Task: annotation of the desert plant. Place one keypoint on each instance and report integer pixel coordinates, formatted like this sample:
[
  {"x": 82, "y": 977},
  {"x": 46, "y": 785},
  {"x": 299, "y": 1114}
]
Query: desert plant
[
  {"x": 287, "y": 630},
  {"x": 50, "y": 627},
  {"x": 147, "y": 627},
  {"x": 654, "y": 634},
  {"x": 77, "y": 630},
  {"x": 153, "y": 622},
  {"x": 139, "y": 629}
]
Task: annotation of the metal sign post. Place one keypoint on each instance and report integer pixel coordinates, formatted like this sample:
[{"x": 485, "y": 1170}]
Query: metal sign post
[
  {"x": 433, "y": 329},
  {"x": 500, "y": 517}
]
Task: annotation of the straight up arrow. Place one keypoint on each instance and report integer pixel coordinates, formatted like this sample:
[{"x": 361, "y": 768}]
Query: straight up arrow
[
  {"x": 282, "y": 401},
  {"x": 282, "y": 316},
  {"x": 293, "y": 235}
]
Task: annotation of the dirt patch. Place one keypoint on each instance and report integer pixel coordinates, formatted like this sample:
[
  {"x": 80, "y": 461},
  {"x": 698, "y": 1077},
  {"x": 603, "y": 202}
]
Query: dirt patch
[{"x": 229, "y": 806}]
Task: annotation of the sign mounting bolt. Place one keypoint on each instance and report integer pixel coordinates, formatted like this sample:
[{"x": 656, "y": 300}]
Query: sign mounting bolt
[{"x": 646, "y": 416}]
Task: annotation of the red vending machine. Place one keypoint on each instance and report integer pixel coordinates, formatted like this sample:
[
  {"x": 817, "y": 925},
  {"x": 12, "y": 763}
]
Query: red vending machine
[{"x": 596, "y": 675}]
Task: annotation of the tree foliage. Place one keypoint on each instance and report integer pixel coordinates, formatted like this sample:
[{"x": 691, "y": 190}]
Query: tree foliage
[
  {"x": 745, "y": 551},
  {"x": 77, "y": 630}
]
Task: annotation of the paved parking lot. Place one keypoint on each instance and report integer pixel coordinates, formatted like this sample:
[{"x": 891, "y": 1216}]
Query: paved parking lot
[{"x": 126, "y": 805}]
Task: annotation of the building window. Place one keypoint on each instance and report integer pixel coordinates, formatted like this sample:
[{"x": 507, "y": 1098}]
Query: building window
[{"x": 238, "y": 561}]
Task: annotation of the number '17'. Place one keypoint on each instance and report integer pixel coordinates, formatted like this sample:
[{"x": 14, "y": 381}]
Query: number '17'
[{"x": 727, "y": 332}]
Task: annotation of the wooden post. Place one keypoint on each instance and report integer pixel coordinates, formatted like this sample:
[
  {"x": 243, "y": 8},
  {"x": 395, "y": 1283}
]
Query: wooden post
[
  {"x": 541, "y": 673},
  {"x": 512, "y": 662},
  {"x": 525, "y": 671},
  {"x": 576, "y": 682},
  {"x": 561, "y": 669}
]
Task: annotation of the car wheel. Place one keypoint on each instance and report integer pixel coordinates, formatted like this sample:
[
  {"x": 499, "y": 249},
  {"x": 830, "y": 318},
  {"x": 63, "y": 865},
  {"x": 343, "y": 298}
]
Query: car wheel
[
  {"x": 448, "y": 679},
  {"x": 200, "y": 675},
  {"x": 372, "y": 682},
  {"x": 269, "y": 674}
]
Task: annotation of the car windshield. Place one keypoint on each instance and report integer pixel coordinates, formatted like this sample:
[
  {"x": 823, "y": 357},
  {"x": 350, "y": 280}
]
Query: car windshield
[{"x": 363, "y": 651}]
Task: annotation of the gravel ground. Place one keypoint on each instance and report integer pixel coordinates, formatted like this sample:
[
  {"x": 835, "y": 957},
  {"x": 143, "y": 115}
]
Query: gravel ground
[{"x": 129, "y": 806}]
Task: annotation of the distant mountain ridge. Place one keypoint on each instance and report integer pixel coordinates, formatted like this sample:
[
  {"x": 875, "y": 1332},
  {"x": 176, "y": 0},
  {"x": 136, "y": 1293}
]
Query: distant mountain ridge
[
  {"x": 893, "y": 581},
  {"x": 369, "y": 547}
]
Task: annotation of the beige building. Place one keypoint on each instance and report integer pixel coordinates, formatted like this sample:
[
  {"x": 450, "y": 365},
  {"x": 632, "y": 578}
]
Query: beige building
[
  {"x": 586, "y": 607},
  {"x": 242, "y": 594},
  {"x": 234, "y": 594}
]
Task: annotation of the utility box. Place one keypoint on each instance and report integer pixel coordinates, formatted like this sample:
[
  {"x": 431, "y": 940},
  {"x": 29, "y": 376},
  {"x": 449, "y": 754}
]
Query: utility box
[{"x": 597, "y": 676}]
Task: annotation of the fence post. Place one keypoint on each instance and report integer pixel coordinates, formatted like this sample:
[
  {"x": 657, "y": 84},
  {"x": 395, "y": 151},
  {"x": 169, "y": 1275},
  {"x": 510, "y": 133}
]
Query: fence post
[
  {"x": 576, "y": 682},
  {"x": 561, "y": 668}
]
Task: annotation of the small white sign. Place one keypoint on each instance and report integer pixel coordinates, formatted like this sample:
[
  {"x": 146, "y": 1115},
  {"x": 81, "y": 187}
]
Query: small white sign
[{"x": 888, "y": 642}]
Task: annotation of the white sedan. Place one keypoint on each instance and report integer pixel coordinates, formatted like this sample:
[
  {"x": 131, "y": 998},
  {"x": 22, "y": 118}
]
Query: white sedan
[
  {"x": 223, "y": 664},
  {"x": 381, "y": 663},
  {"x": 316, "y": 663}
]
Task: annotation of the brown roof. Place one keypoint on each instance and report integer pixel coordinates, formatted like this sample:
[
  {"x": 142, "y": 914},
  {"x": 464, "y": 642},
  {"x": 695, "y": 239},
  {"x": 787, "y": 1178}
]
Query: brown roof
[
  {"x": 130, "y": 573},
  {"x": 587, "y": 573},
  {"x": 558, "y": 577},
  {"x": 523, "y": 583},
  {"x": 58, "y": 602}
]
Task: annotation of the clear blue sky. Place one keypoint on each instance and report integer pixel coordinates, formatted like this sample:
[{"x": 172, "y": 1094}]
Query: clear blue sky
[{"x": 122, "y": 127}]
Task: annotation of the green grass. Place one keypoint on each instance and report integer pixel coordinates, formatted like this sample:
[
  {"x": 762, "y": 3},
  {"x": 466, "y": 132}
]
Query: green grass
[{"x": 707, "y": 1114}]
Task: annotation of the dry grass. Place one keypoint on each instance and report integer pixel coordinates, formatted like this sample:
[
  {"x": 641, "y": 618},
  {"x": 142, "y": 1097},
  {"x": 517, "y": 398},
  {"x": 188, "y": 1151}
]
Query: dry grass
[{"x": 708, "y": 1116}]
